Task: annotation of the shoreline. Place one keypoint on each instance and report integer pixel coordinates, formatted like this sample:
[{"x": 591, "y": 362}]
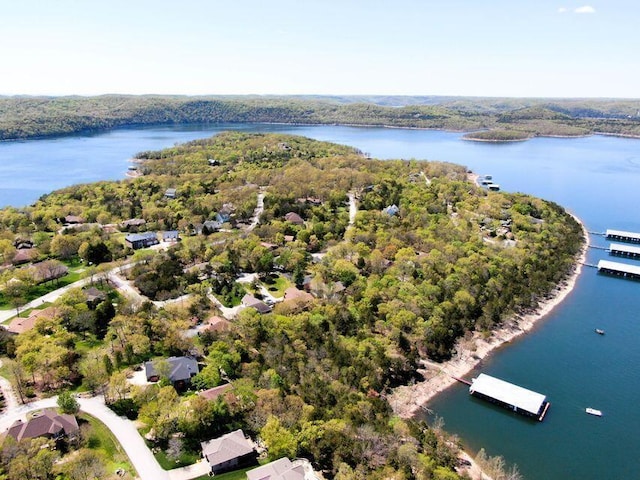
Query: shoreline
[{"x": 407, "y": 401}]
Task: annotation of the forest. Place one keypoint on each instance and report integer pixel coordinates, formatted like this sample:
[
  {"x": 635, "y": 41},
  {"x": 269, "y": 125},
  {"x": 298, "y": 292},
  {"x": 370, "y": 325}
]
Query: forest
[
  {"x": 29, "y": 117},
  {"x": 428, "y": 258}
]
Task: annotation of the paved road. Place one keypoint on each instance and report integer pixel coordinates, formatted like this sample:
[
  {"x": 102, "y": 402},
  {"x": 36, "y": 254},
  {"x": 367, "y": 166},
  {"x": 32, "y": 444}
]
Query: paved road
[{"x": 124, "y": 430}]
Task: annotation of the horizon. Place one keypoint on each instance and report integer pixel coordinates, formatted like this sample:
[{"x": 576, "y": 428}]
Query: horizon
[{"x": 503, "y": 49}]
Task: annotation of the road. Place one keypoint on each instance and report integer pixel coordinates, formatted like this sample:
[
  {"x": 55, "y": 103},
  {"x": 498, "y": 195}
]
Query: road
[{"x": 124, "y": 430}]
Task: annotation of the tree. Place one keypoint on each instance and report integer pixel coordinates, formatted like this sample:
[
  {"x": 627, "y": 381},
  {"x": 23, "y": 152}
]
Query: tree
[
  {"x": 85, "y": 464},
  {"x": 68, "y": 403},
  {"x": 280, "y": 442},
  {"x": 65, "y": 246}
]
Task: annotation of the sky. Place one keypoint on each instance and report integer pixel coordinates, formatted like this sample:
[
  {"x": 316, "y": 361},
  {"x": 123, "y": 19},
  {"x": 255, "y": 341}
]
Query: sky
[{"x": 499, "y": 48}]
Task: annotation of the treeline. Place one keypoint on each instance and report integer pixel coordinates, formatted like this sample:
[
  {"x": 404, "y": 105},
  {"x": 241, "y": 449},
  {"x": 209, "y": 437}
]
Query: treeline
[{"x": 28, "y": 117}]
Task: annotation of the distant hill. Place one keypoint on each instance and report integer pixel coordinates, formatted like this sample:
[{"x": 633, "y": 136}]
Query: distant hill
[{"x": 29, "y": 117}]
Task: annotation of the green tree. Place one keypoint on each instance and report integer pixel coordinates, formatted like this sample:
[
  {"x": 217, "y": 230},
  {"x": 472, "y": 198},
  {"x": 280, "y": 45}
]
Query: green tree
[{"x": 68, "y": 403}]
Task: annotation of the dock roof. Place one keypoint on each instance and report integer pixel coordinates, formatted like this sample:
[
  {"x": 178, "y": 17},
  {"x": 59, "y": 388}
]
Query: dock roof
[
  {"x": 618, "y": 247},
  {"x": 509, "y": 393},
  {"x": 619, "y": 267},
  {"x": 623, "y": 234}
]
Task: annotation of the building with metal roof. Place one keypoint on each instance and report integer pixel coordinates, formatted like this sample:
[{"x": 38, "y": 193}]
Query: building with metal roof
[
  {"x": 624, "y": 250},
  {"x": 622, "y": 235},
  {"x": 513, "y": 397},
  {"x": 619, "y": 269}
]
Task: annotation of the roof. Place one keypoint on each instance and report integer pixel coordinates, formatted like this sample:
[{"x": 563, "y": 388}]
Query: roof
[
  {"x": 617, "y": 247},
  {"x": 44, "y": 424},
  {"x": 134, "y": 222},
  {"x": 293, "y": 217},
  {"x": 21, "y": 325},
  {"x": 391, "y": 210},
  {"x": 170, "y": 191},
  {"x": 227, "y": 447},
  {"x": 73, "y": 219},
  {"x": 92, "y": 294},
  {"x": 170, "y": 234},
  {"x": 136, "y": 237},
  {"x": 619, "y": 267},
  {"x": 215, "y": 392},
  {"x": 622, "y": 233},
  {"x": 281, "y": 469},
  {"x": 508, "y": 393},
  {"x": 24, "y": 255},
  {"x": 218, "y": 324},
  {"x": 292, "y": 293},
  {"x": 253, "y": 302},
  {"x": 182, "y": 368}
]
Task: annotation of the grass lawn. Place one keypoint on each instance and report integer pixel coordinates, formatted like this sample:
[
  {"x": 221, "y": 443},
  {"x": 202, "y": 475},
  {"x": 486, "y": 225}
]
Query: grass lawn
[
  {"x": 103, "y": 440},
  {"x": 278, "y": 286},
  {"x": 186, "y": 458}
]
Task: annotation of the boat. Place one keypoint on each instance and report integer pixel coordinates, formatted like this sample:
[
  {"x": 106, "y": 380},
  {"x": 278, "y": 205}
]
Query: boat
[
  {"x": 599, "y": 331},
  {"x": 593, "y": 411}
]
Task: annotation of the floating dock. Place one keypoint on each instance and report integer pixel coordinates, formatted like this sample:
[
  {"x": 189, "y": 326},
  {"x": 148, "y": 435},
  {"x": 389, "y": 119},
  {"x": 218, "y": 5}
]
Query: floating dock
[
  {"x": 624, "y": 250},
  {"x": 631, "y": 237},
  {"x": 619, "y": 269},
  {"x": 520, "y": 400}
]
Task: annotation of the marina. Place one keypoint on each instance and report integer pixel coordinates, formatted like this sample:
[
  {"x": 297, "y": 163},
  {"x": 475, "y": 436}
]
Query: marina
[
  {"x": 508, "y": 395},
  {"x": 619, "y": 269},
  {"x": 624, "y": 250},
  {"x": 623, "y": 236}
]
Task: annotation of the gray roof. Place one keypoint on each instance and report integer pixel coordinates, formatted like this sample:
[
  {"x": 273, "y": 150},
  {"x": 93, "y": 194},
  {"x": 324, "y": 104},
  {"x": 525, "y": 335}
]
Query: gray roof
[
  {"x": 133, "y": 237},
  {"x": 227, "y": 447},
  {"x": 182, "y": 368},
  {"x": 253, "y": 302},
  {"x": 170, "y": 234},
  {"x": 281, "y": 469}
]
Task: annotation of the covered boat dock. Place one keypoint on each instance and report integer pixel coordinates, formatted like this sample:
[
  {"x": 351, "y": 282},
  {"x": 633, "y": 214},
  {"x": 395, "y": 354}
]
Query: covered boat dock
[
  {"x": 519, "y": 399},
  {"x": 619, "y": 269},
  {"x": 624, "y": 250},
  {"x": 623, "y": 236}
]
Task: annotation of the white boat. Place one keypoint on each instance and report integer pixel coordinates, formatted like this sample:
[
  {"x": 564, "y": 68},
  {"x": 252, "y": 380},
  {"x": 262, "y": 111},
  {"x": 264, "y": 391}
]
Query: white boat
[{"x": 593, "y": 411}]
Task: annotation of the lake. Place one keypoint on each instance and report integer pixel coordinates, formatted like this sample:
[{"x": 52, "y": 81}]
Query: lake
[{"x": 596, "y": 178}]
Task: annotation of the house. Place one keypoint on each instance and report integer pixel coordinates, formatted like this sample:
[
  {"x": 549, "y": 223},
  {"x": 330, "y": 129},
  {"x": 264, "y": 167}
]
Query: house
[
  {"x": 24, "y": 255},
  {"x": 215, "y": 392},
  {"x": 20, "y": 325},
  {"x": 391, "y": 210},
  {"x": 250, "y": 301},
  {"x": 73, "y": 220},
  {"x": 94, "y": 297},
  {"x": 292, "y": 293},
  {"x": 21, "y": 243},
  {"x": 46, "y": 423},
  {"x": 170, "y": 193},
  {"x": 170, "y": 236},
  {"x": 213, "y": 162},
  {"x": 180, "y": 370},
  {"x": 293, "y": 217},
  {"x": 141, "y": 240},
  {"x": 217, "y": 324},
  {"x": 134, "y": 222},
  {"x": 229, "y": 452},
  {"x": 281, "y": 469}
]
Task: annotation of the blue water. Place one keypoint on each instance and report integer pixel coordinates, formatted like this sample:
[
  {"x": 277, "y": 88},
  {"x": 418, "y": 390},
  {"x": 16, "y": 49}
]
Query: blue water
[{"x": 597, "y": 178}]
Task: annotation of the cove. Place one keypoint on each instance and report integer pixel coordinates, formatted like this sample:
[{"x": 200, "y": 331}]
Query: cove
[{"x": 596, "y": 178}]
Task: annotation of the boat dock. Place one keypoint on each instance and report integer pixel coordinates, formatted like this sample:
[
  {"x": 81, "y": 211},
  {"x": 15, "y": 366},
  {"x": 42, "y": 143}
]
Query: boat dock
[
  {"x": 624, "y": 250},
  {"x": 622, "y": 236},
  {"x": 518, "y": 399},
  {"x": 619, "y": 269}
]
